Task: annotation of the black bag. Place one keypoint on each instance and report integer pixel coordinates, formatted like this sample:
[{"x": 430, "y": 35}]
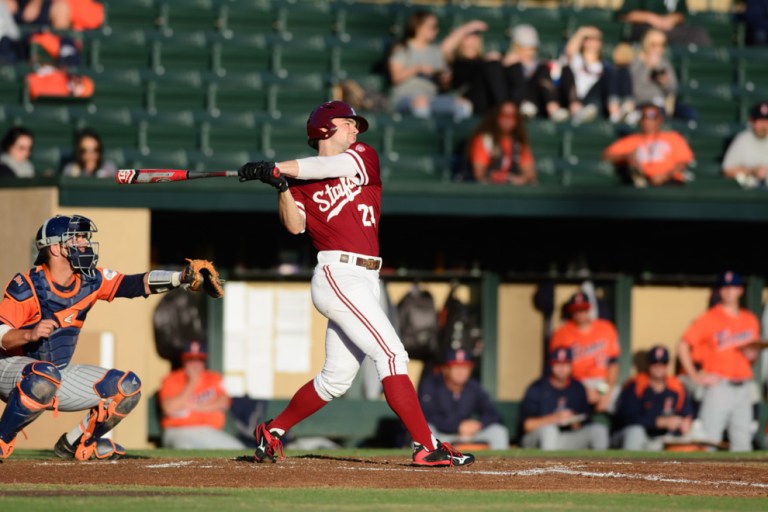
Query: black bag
[
  {"x": 418, "y": 324},
  {"x": 459, "y": 327},
  {"x": 178, "y": 319}
]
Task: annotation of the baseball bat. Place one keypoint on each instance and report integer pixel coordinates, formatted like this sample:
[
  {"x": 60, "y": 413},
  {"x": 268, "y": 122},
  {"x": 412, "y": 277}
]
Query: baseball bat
[{"x": 135, "y": 176}]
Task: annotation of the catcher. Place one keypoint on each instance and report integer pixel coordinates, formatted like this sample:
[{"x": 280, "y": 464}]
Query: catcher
[{"x": 41, "y": 315}]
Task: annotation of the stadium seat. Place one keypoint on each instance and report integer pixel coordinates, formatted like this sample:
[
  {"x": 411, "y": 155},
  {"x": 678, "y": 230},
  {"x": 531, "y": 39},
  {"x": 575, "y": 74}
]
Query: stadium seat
[
  {"x": 705, "y": 66},
  {"x": 368, "y": 20},
  {"x": 708, "y": 142},
  {"x": 51, "y": 125},
  {"x": 118, "y": 88},
  {"x": 219, "y": 161},
  {"x": 240, "y": 53},
  {"x": 181, "y": 51},
  {"x": 299, "y": 55},
  {"x": 498, "y": 19},
  {"x": 169, "y": 130},
  {"x": 11, "y": 85},
  {"x": 286, "y": 138},
  {"x": 190, "y": 15},
  {"x": 359, "y": 57},
  {"x": 714, "y": 103},
  {"x": 176, "y": 90},
  {"x": 247, "y": 17},
  {"x": 128, "y": 15},
  {"x": 307, "y": 18},
  {"x": 751, "y": 70},
  {"x": 147, "y": 158},
  {"x": 548, "y": 22},
  {"x": 601, "y": 18},
  {"x": 231, "y": 132},
  {"x": 414, "y": 149},
  {"x": 296, "y": 93},
  {"x": 721, "y": 26},
  {"x": 583, "y": 147},
  {"x": 119, "y": 50},
  {"x": 238, "y": 92},
  {"x": 47, "y": 160},
  {"x": 545, "y": 140}
]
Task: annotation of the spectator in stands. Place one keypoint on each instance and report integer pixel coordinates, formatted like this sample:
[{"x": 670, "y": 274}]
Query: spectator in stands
[
  {"x": 474, "y": 71},
  {"x": 594, "y": 343},
  {"x": 653, "y": 407},
  {"x": 456, "y": 406},
  {"x": 194, "y": 405},
  {"x": 555, "y": 412},
  {"x": 652, "y": 156},
  {"x": 89, "y": 158},
  {"x": 50, "y": 13},
  {"x": 756, "y": 20},
  {"x": 746, "y": 159},
  {"x": 419, "y": 71},
  {"x": 589, "y": 83},
  {"x": 668, "y": 17},
  {"x": 498, "y": 150},
  {"x": 10, "y": 37},
  {"x": 16, "y": 146},
  {"x": 654, "y": 79},
  {"x": 527, "y": 78}
]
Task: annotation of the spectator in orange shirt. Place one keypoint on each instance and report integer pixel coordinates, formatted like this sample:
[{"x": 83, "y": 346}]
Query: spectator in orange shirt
[
  {"x": 595, "y": 347},
  {"x": 499, "y": 151},
  {"x": 652, "y": 156},
  {"x": 194, "y": 405},
  {"x": 721, "y": 337}
]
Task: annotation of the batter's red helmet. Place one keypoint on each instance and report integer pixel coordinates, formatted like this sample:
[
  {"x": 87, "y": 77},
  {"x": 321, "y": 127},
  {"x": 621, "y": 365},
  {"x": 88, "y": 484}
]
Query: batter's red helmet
[{"x": 320, "y": 126}]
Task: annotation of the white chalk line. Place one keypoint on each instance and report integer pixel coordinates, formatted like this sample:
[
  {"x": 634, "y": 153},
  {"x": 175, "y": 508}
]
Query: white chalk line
[{"x": 566, "y": 471}]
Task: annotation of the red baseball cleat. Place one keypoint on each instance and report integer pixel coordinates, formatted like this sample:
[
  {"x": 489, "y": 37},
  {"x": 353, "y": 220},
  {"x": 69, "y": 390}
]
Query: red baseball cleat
[
  {"x": 268, "y": 445},
  {"x": 444, "y": 455}
]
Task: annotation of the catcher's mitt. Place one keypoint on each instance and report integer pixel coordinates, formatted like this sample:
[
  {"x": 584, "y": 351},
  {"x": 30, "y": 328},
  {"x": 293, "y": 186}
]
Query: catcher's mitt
[{"x": 202, "y": 274}]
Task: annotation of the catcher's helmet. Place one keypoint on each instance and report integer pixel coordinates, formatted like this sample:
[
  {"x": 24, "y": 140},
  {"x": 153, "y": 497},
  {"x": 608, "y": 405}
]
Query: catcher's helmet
[
  {"x": 83, "y": 254},
  {"x": 320, "y": 126}
]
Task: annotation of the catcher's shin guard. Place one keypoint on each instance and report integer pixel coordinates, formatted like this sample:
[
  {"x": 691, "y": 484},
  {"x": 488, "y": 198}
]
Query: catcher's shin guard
[
  {"x": 124, "y": 390},
  {"x": 35, "y": 392}
]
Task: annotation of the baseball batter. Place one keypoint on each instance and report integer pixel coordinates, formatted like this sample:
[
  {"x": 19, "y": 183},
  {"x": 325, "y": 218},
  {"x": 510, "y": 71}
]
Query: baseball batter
[
  {"x": 41, "y": 315},
  {"x": 336, "y": 198},
  {"x": 719, "y": 337}
]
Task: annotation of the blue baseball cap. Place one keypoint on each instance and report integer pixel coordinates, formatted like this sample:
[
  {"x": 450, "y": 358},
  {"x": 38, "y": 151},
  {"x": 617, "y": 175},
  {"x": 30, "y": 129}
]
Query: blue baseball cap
[
  {"x": 658, "y": 354},
  {"x": 459, "y": 356},
  {"x": 561, "y": 355},
  {"x": 729, "y": 278}
]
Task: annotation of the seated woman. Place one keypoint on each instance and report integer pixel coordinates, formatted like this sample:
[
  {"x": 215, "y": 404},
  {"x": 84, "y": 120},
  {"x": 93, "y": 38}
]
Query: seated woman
[
  {"x": 89, "y": 158},
  {"x": 498, "y": 149}
]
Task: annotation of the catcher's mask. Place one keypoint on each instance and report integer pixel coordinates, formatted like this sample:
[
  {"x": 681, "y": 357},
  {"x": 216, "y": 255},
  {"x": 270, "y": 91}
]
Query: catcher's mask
[
  {"x": 73, "y": 233},
  {"x": 320, "y": 123}
]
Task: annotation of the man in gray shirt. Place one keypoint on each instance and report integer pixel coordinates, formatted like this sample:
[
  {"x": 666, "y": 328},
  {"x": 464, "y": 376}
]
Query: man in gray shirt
[{"x": 746, "y": 159}]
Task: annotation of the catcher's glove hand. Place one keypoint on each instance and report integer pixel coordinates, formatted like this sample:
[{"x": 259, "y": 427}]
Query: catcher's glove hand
[
  {"x": 202, "y": 273},
  {"x": 266, "y": 172}
]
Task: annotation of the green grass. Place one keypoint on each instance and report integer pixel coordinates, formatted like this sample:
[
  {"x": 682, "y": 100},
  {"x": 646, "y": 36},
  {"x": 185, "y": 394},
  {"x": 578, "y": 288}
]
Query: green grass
[{"x": 145, "y": 499}]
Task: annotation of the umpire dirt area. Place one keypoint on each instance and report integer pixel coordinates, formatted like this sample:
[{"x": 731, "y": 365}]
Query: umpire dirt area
[{"x": 742, "y": 478}]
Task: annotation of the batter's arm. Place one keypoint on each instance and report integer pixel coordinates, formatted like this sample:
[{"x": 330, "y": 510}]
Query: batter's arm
[{"x": 291, "y": 216}]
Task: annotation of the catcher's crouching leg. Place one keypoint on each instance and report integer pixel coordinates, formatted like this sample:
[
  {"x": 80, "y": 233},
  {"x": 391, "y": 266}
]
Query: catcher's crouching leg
[
  {"x": 124, "y": 390},
  {"x": 35, "y": 392}
]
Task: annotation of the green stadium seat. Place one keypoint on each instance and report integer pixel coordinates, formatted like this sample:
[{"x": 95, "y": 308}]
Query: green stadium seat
[
  {"x": 751, "y": 69},
  {"x": 156, "y": 158},
  {"x": 169, "y": 130},
  {"x": 715, "y": 103},
  {"x": 176, "y": 90},
  {"x": 583, "y": 147},
  {"x": 242, "y": 54},
  {"x": 11, "y": 85},
  {"x": 368, "y": 20},
  {"x": 545, "y": 140},
  {"x": 182, "y": 51},
  {"x": 358, "y": 57},
  {"x": 498, "y": 19},
  {"x": 190, "y": 15},
  {"x": 721, "y": 26},
  {"x": 299, "y": 55},
  {"x": 47, "y": 160},
  {"x": 231, "y": 132},
  {"x": 219, "y": 161},
  {"x": 708, "y": 142},
  {"x": 238, "y": 92},
  {"x": 119, "y": 50},
  {"x": 115, "y": 126},
  {"x": 118, "y": 88},
  {"x": 286, "y": 138},
  {"x": 705, "y": 66},
  {"x": 588, "y": 172},
  {"x": 415, "y": 149},
  {"x": 297, "y": 93},
  {"x": 308, "y": 18},
  {"x": 246, "y": 17},
  {"x": 128, "y": 15}
]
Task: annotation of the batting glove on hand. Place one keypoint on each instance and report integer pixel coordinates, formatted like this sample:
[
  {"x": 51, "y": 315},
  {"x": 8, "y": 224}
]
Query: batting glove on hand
[{"x": 266, "y": 172}]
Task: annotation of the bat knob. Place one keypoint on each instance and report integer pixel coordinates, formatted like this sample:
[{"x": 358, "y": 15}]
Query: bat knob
[{"x": 125, "y": 176}]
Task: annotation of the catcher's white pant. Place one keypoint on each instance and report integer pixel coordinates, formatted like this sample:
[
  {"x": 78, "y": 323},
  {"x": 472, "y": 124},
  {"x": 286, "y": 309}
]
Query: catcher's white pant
[
  {"x": 76, "y": 392},
  {"x": 348, "y": 295}
]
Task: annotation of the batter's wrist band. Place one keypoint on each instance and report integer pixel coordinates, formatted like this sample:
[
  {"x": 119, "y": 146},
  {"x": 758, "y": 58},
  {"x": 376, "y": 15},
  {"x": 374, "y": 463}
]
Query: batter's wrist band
[{"x": 161, "y": 281}]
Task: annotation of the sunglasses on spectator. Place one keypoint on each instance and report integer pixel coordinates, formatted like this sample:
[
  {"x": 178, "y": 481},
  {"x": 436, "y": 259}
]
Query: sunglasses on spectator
[{"x": 89, "y": 150}]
